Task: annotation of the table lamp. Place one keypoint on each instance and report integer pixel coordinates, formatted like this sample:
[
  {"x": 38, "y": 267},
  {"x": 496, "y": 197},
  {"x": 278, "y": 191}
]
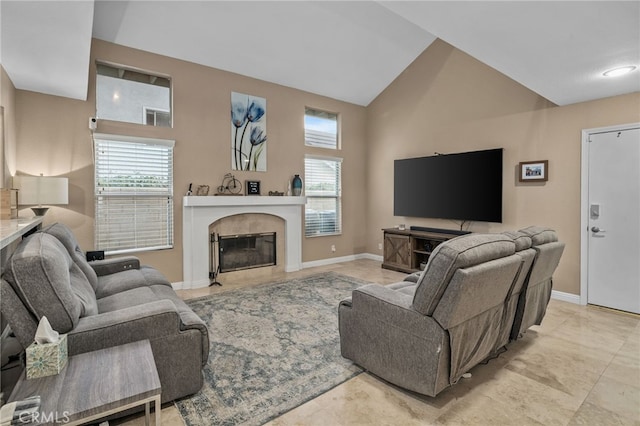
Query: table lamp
[{"x": 41, "y": 190}]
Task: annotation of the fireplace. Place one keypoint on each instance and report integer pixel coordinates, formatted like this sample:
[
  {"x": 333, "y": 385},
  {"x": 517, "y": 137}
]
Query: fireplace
[
  {"x": 199, "y": 213},
  {"x": 238, "y": 252}
]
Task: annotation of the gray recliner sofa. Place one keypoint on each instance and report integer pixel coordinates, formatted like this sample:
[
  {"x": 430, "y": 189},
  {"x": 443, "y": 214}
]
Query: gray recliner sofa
[
  {"x": 102, "y": 304},
  {"x": 424, "y": 333},
  {"x": 536, "y": 292}
]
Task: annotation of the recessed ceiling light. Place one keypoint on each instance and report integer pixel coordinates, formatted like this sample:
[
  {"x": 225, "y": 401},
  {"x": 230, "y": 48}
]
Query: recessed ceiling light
[{"x": 618, "y": 71}]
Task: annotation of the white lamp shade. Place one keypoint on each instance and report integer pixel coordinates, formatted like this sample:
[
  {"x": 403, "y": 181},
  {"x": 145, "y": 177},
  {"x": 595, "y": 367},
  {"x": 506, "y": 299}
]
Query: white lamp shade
[{"x": 42, "y": 190}]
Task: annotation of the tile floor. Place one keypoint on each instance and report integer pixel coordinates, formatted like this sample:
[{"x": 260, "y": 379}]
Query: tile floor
[{"x": 581, "y": 367}]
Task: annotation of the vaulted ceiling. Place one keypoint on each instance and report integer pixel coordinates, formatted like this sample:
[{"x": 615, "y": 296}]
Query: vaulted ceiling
[{"x": 347, "y": 50}]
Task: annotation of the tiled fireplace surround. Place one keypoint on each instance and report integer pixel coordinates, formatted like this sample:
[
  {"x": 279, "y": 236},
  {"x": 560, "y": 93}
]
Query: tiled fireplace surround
[{"x": 199, "y": 213}]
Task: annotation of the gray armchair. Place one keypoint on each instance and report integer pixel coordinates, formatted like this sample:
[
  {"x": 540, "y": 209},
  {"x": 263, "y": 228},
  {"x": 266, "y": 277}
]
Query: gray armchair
[
  {"x": 48, "y": 275},
  {"x": 424, "y": 336}
]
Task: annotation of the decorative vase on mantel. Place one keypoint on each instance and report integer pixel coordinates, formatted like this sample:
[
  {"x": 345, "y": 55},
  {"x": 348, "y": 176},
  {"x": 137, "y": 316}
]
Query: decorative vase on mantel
[{"x": 296, "y": 185}]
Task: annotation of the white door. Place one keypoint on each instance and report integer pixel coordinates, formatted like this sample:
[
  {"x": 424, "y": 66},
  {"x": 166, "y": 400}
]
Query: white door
[{"x": 614, "y": 220}]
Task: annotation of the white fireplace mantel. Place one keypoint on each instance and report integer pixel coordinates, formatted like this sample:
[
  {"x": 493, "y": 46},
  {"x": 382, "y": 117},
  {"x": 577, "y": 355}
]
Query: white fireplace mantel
[{"x": 199, "y": 212}]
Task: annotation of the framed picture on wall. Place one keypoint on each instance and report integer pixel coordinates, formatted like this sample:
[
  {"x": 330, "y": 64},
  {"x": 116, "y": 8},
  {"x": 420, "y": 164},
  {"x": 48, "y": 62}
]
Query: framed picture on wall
[{"x": 534, "y": 171}]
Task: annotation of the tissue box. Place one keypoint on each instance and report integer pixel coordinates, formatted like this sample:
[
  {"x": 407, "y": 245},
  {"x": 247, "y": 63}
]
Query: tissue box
[{"x": 47, "y": 359}]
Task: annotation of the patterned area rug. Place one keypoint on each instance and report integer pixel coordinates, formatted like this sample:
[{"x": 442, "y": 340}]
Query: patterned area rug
[{"x": 273, "y": 347}]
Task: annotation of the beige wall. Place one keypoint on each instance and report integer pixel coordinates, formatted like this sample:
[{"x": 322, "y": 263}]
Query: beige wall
[
  {"x": 445, "y": 101},
  {"x": 8, "y": 141},
  {"x": 448, "y": 102},
  {"x": 55, "y": 140}
]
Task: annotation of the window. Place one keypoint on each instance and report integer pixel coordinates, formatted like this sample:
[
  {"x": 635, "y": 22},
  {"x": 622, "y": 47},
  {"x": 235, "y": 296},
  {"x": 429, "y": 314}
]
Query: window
[
  {"x": 322, "y": 186},
  {"x": 155, "y": 117},
  {"x": 132, "y": 96},
  {"x": 133, "y": 193},
  {"x": 320, "y": 129}
]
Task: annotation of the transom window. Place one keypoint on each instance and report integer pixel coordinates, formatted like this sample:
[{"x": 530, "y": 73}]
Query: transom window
[
  {"x": 133, "y": 193},
  {"x": 323, "y": 189},
  {"x": 132, "y": 96},
  {"x": 320, "y": 129}
]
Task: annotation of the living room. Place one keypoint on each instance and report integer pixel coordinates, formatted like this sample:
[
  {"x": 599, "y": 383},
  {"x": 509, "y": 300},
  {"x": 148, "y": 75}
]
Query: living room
[{"x": 445, "y": 101}]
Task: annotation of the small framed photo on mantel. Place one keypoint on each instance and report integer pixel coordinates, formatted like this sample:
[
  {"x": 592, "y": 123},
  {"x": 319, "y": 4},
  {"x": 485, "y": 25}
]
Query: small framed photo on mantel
[
  {"x": 253, "y": 187},
  {"x": 534, "y": 171}
]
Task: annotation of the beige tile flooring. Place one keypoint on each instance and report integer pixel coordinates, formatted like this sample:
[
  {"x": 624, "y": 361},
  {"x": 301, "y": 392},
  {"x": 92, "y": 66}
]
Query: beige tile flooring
[{"x": 581, "y": 367}]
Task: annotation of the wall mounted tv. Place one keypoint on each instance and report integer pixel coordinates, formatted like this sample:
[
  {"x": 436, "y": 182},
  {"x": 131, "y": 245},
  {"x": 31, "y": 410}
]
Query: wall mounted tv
[{"x": 464, "y": 186}]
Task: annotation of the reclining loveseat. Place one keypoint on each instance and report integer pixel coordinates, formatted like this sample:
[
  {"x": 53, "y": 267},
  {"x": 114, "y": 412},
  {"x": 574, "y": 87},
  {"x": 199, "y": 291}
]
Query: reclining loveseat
[
  {"x": 476, "y": 292},
  {"x": 102, "y": 304}
]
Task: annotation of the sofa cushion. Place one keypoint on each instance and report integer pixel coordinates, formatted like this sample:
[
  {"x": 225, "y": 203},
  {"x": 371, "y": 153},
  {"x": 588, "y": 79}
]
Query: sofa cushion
[
  {"x": 460, "y": 252},
  {"x": 49, "y": 283},
  {"x": 540, "y": 235},
  {"x": 127, "y": 280},
  {"x": 68, "y": 240},
  {"x": 126, "y": 299},
  {"x": 522, "y": 240}
]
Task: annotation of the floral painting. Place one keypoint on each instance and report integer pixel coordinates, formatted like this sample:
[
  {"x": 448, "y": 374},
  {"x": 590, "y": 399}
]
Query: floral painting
[{"x": 248, "y": 132}]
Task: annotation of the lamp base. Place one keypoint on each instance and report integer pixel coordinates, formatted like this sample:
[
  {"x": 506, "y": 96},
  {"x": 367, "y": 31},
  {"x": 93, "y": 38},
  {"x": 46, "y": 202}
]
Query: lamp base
[{"x": 39, "y": 211}]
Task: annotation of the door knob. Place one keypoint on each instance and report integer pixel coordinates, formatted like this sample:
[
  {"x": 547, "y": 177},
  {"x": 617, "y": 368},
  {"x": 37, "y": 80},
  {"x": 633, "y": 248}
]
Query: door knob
[{"x": 595, "y": 229}]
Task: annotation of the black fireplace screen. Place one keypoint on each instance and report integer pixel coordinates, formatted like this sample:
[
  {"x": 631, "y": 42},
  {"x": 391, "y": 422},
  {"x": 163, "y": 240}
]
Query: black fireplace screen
[{"x": 236, "y": 252}]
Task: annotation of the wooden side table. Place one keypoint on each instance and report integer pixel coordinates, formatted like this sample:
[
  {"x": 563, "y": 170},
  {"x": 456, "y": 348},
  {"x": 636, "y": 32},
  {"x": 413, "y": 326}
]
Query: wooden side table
[{"x": 97, "y": 384}]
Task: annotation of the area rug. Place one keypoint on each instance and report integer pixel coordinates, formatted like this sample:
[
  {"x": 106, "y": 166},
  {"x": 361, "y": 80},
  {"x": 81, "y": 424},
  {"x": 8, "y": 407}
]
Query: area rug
[{"x": 273, "y": 347}]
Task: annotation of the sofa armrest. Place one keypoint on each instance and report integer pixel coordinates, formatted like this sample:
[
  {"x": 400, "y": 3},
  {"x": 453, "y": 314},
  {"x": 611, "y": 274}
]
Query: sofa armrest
[
  {"x": 191, "y": 321},
  {"x": 117, "y": 264},
  {"x": 381, "y": 296},
  {"x": 413, "y": 278},
  {"x": 391, "y": 307},
  {"x": 151, "y": 321}
]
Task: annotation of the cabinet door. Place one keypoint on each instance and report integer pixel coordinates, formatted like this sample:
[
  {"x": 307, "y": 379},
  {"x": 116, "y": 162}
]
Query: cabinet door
[{"x": 397, "y": 251}]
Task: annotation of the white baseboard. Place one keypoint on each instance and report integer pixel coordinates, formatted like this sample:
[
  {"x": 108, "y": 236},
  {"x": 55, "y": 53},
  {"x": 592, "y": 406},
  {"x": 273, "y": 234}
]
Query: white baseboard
[
  {"x": 371, "y": 256},
  {"x": 322, "y": 262},
  {"x": 558, "y": 295},
  {"x": 332, "y": 260},
  {"x": 179, "y": 285},
  {"x": 565, "y": 297}
]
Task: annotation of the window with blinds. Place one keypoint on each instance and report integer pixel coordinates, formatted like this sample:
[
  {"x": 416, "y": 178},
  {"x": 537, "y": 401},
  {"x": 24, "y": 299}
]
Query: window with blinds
[
  {"x": 323, "y": 188},
  {"x": 320, "y": 129},
  {"x": 133, "y": 193}
]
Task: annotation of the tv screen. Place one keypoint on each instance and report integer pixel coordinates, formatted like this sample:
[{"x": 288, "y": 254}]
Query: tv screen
[{"x": 464, "y": 186}]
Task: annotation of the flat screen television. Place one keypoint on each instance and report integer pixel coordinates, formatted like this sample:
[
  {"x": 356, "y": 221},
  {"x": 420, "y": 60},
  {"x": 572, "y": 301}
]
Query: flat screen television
[{"x": 464, "y": 186}]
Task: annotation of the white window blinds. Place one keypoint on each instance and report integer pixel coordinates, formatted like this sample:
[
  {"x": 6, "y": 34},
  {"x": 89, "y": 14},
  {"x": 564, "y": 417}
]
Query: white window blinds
[
  {"x": 323, "y": 187},
  {"x": 320, "y": 129},
  {"x": 133, "y": 193}
]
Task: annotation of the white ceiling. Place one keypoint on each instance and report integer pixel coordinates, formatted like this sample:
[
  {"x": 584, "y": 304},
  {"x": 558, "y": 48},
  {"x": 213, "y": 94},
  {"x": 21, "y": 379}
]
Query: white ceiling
[{"x": 345, "y": 50}]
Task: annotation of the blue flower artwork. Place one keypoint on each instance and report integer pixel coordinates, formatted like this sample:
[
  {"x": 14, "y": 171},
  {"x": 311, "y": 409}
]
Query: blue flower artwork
[{"x": 248, "y": 133}]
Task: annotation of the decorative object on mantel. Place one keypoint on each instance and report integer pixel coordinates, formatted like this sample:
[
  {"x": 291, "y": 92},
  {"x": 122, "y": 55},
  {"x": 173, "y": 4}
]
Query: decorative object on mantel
[
  {"x": 253, "y": 187},
  {"x": 41, "y": 190},
  {"x": 189, "y": 192},
  {"x": 534, "y": 171},
  {"x": 276, "y": 193},
  {"x": 230, "y": 186},
  {"x": 296, "y": 185},
  {"x": 202, "y": 190},
  {"x": 248, "y": 132}
]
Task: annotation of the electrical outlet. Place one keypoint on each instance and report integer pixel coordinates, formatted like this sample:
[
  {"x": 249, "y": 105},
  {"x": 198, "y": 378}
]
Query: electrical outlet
[
  {"x": 333, "y": 248},
  {"x": 379, "y": 246}
]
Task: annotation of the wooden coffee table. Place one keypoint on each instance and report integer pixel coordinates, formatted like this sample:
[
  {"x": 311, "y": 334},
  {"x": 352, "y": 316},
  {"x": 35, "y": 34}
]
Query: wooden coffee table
[{"x": 97, "y": 384}]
